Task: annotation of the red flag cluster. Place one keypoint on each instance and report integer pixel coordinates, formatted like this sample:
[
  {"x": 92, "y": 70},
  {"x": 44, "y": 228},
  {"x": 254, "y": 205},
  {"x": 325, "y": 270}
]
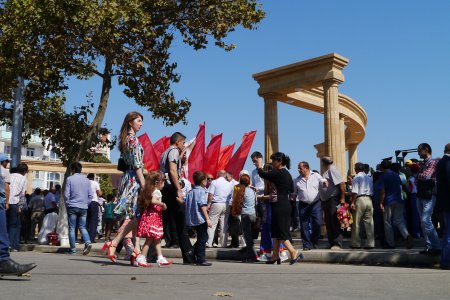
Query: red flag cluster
[{"x": 210, "y": 160}]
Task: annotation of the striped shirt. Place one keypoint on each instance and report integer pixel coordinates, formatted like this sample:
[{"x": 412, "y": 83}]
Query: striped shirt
[{"x": 18, "y": 188}]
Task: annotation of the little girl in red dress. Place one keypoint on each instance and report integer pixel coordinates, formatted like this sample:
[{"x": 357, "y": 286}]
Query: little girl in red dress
[{"x": 150, "y": 224}]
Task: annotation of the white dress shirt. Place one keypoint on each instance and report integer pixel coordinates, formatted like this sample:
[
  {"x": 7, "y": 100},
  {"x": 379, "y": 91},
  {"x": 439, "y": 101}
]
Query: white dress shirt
[
  {"x": 307, "y": 190},
  {"x": 362, "y": 184},
  {"x": 221, "y": 190},
  {"x": 258, "y": 183},
  {"x": 18, "y": 187}
]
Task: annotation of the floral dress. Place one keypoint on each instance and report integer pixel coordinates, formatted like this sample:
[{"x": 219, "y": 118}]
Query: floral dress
[
  {"x": 150, "y": 224},
  {"x": 130, "y": 186}
]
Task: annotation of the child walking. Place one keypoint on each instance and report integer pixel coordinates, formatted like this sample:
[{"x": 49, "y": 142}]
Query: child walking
[
  {"x": 150, "y": 225},
  {"x": 196, "y": 215},
  {"x": 109, "y": 216}
]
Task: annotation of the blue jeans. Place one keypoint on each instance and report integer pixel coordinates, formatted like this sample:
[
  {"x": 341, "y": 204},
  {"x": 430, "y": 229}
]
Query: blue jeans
[
  {"x": 310, "y": 216},
  {"x": 4, "y": 241},
  {"x": 445, "y": 255},
  {"x": 13, "y": 221},
  {"x": 425, "y": 208},
  {"x": 77, "y": 216}
]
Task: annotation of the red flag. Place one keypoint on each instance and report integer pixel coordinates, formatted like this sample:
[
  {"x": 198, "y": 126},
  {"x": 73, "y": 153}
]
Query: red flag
[
  {"x": 161, "y": 145},
  {"x": 224, "y": 157},
  {"x": 212, "y": 155},
  {"x": 151, "y": 161},
  {"x": 237, "y": 162},
  {"x": 195, "y": 160}
]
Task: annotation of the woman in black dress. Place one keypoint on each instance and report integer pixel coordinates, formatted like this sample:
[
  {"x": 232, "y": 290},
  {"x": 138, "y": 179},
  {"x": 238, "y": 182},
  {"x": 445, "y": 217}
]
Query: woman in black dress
[{"x": 280, "y": 205}]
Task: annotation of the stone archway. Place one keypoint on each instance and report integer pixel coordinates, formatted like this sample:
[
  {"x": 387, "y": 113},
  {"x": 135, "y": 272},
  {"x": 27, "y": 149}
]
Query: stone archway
[{"x": 313, "y": 84}]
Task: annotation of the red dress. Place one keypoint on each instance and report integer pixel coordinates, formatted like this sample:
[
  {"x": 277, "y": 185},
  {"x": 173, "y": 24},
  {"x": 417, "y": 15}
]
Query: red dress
[{"x": 150, "y": 224}]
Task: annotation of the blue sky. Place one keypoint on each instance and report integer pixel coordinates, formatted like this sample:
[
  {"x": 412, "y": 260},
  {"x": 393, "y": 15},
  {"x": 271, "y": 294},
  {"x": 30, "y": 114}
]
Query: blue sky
[{"x": 399, "y": 67}]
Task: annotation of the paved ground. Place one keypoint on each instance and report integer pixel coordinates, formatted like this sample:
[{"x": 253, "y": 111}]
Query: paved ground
[
  {"x": 60, "y": 276},
  {"x": 399, "y": 257}
]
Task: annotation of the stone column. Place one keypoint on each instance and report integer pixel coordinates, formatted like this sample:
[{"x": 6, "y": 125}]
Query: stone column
[
  {"x": 270, "y": 125},
  {"x": 30, "y": 181},
  {"x": 343, "y": 163},
  {"x": 352, "y": 157},
  {"x": 332, "y": 123}
]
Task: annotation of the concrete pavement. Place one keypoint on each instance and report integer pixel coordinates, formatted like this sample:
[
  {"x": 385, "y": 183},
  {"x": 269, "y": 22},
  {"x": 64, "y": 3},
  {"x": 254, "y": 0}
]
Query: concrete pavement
[
  {"x": 89, "y": 277},
  {"x": 399, "y": 257}
]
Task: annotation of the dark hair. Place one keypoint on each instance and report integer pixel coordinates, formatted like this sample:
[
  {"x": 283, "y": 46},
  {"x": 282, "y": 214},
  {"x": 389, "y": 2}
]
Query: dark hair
[
  {"x": 37, "y": 191},
  {"x": 256, "y": 154},
  {"x": 359, "y": 167},
  {"x": 176, "y": 137},
  {"x": 386, "y": 164},
  {"x": 326, "y": 161},
  {"x": 198, "y": 177},
  {"x": 126, "y": 127},
  {"x": 305, "y": 164},
  {"x": 282, "y": 158},
  {"x": 396, "y": 167},
  {"x": 425, "y": 146},
  {"x": 376, "y": 176},
  {"x": 58, "y": 187},
  {"x": 76, "y": 167},
  {"x": 46, "y": 192},
  {"x": 91, "y": 176},
  {"x": 22, "y": 168},
  {"x": 109, "y": 198}
]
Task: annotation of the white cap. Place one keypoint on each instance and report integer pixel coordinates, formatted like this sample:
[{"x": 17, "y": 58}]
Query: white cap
[{"x": 244, "y": 172}]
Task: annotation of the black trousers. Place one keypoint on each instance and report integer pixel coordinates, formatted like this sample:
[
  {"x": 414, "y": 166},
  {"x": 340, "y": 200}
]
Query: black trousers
[
  {"x": 334, "y": 232},
  {"x": 175, "y": 214},
  {"x": 92, "y": 220},
  {"x": 247, "y": 222},
  {"x": 200, "y": 245}
]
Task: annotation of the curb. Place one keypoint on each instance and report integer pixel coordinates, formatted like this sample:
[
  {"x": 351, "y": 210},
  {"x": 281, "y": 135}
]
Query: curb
[{"x": 376, "y": 257}]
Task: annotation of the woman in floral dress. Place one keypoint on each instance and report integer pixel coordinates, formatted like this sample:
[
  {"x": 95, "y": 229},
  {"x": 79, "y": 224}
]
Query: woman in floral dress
[{"x": 132, "y": 181}]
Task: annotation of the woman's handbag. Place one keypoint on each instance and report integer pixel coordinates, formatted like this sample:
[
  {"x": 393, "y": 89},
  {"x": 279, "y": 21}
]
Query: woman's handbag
[{"x": 122, "y": 165}]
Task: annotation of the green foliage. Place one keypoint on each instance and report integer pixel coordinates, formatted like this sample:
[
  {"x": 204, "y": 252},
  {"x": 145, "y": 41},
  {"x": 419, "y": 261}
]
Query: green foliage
[{"x": 48, "y": 41}]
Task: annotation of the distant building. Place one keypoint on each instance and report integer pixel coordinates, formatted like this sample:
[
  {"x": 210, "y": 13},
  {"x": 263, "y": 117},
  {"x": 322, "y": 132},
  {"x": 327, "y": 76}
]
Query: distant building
[{"x": 36, "y": 151}]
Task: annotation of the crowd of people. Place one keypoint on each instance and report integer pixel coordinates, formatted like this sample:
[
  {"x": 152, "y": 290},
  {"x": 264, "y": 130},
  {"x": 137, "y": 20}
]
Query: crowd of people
[{"x": 389, "y": 203}]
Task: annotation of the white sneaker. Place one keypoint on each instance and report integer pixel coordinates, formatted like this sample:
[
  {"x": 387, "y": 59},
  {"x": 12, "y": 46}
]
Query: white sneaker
[
  {"x": 265, "y": 257},
  {"x": 163, "y": 262},
  {"x": 141, "y": 261},
  {"x": 284, "y": 256}
]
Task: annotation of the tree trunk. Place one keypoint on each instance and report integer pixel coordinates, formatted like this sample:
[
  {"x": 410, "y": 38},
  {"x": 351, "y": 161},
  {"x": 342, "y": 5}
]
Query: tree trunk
[{"x": 63, "y": 229}]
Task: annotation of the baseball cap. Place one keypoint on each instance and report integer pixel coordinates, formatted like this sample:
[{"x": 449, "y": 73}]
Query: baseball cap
[
  {"x": 244, "y": 172},
  {"x": 3, "y": 157}
]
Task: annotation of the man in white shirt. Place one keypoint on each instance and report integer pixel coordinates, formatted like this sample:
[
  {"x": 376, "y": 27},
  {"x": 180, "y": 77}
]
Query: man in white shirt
[
  {"x": 4, "y": 161},
  {"x": 17, "y": 203},
  {"x": 218, "y": 205},
  {"x": 257, "y": 182},
  {"x": 332, "y": 192},
  {"x": 306, "y": 192},
  {"x": 93, "y": 208},
  {"x": 362, "y": 191}
]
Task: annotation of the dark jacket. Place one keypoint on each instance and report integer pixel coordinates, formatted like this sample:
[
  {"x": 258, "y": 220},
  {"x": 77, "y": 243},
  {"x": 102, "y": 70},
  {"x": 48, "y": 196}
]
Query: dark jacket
[{"x": 443, "y": 184}]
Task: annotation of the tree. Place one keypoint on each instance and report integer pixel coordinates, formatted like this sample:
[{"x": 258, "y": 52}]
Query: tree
[{"x": 49, "y": 41}]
